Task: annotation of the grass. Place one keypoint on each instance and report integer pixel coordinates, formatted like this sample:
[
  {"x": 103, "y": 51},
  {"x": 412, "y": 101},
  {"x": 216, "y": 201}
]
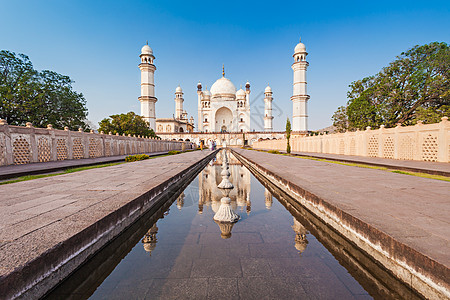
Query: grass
[{"x": 418, "y": 174}]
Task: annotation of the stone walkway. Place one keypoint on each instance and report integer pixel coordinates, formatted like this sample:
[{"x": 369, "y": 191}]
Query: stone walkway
[
  {"x": 414, "y": 211},
  {"x": 437, "y": 168},
  {"x": 12, "y": 171},
  {"x": 41, "y": 215}
]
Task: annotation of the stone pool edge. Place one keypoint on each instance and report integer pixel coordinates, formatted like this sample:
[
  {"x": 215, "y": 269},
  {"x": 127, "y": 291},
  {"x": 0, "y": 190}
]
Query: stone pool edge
[
  {"x": 42, "y": 274},
  {"x": 416, "y": 270}
]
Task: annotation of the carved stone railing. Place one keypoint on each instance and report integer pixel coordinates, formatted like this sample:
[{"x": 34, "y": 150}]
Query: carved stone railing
[
  {"x": 22, "y": 145},
  {"x": 422, "y": 142}
]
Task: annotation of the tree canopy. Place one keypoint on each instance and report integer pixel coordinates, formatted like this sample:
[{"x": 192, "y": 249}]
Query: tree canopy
[
  {"x": 128, "y": 123},
  {"x": 42, "y": 98},
  {"x": 416, "y": 86}
]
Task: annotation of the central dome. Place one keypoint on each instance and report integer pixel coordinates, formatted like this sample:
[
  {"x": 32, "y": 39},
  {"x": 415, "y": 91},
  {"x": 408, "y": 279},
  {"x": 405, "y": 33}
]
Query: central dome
[{"x": 223, "y": 86}]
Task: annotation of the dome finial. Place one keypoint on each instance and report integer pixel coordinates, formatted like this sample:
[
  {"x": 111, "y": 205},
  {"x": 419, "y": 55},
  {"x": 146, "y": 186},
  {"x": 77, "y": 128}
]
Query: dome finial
[
  {"x": 223, "y": 70},
  {"x": 147, "y": 42},
  {"x": 300, "y": 39}
]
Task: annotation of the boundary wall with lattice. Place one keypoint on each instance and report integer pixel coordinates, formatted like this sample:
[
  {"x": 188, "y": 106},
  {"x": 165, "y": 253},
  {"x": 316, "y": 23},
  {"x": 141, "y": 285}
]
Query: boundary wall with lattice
[
  {"x": 22, "y": 145},
  {"x": 430, "y": 142}
]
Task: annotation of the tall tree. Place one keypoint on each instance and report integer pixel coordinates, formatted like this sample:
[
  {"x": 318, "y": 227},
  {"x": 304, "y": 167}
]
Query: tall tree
[
  {"x": 340, "y": 119},
  {"x": 128, "y": 123},
  {"x": 288, "y": 135},
  {"x": 418, "y": 80},
  {"x": 41, "y": 98}
]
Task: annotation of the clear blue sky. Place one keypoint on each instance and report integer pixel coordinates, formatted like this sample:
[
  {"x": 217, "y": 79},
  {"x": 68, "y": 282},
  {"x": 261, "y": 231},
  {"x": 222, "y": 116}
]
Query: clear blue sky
[{"x": 97, "y": 44}]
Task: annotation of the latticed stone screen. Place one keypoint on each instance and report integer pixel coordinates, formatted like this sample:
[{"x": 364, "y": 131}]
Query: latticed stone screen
[
  {"x": 98, "y": 148},
  {"x": 77, "y": 148},
  {"x": 372, "y": 149},
  {"x": 341, "y": 147},
  {"x": 352, "y": 147},
  {"x": 388, "y": 147},
  {"x": 2, "y": 151},
  {"x": 430, "y": 148},
  {"x": 424, "y": 142},
  {"x": 21, "y": 151},
  {"x": 107, "y": 148},
  {"x": 44, "y": 150},
  {"x": 92, "y": 147},
  {"x": 61, "y": 149},
  {"x": 115, "y": 148},
  {"x": 22, "y": 145},
  {"x": 406, "y": 149}
]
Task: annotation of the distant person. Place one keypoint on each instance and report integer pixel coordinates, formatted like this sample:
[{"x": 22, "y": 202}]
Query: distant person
[{"x": 201, "y": 145}]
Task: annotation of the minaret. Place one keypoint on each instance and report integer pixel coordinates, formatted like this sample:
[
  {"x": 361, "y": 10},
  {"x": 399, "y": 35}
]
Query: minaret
[
  {"x": 268, "y": 109},
  {"x": 268, "y": 198},
  {"x": 300, "y": 97},
  {"x": 247, "y": 105},
  {"x": 147, "y": 97},
  {"x": 179, "y": 103},
  {"x": 200, "y": 109}
]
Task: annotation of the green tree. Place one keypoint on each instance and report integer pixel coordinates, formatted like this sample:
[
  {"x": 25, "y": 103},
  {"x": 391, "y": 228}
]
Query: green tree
[
  {"x": 418, "y": 80},
  {"x": 288, "y": 135},
  {"x": 431, "y": 115},
  {"x": 128, "y": 123},
  {"x": 340, "y": 119},
  {"x": 41, "y": 98}
]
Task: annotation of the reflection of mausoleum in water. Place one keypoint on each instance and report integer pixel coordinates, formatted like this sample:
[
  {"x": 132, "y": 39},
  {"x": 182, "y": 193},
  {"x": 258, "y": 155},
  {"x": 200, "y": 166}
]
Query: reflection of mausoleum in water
[{"x": 209, "y": 179}]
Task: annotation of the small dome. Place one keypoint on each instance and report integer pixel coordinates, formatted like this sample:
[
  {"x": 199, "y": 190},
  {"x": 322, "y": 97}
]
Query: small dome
[
  {"x": 268, "y": 89},
  {"x": 300, "y": 47},
  {"x": 178, "y": 90},
  {"x": 206, "y": 93},
  {"x": 223, "y": 86},
  {"x": 240, "y": 93},
  {"x": 146, "y": 50}
]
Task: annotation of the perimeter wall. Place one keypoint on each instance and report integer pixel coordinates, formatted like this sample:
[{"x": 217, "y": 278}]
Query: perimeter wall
[{"x": 430, "y": 142}]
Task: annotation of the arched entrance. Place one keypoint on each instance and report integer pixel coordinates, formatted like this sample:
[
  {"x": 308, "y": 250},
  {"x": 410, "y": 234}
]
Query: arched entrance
[{"x": 224, "y": 119}]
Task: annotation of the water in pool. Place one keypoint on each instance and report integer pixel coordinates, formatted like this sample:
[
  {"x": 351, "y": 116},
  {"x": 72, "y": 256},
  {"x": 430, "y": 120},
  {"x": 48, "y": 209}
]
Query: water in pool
[{"x": 180, "y": 252}]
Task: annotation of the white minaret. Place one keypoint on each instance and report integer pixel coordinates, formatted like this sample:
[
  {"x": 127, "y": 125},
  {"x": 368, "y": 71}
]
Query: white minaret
[
  {"x": 200, "y": 109},
  {"x": 268, "y": 109},
  {"x": 247, "y": 105},
  {"x": 179, "y": 103},
  {"x": 300, "y": 97},
  {"x": 147, "y": 97}
]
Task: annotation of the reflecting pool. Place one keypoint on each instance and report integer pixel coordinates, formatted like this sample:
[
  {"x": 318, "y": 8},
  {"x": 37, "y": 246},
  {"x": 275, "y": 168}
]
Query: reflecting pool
[{"x": 275, "y": 250}]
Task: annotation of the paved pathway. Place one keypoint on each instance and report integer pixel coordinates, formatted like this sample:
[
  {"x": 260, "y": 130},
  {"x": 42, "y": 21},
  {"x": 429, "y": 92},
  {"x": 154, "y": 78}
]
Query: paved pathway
[
  {"x": 38, "y": 215},
  {"x": 438, "y": 168},
  {"x": 12, "y": 171},
  {"x": 414, "y": 211}
]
